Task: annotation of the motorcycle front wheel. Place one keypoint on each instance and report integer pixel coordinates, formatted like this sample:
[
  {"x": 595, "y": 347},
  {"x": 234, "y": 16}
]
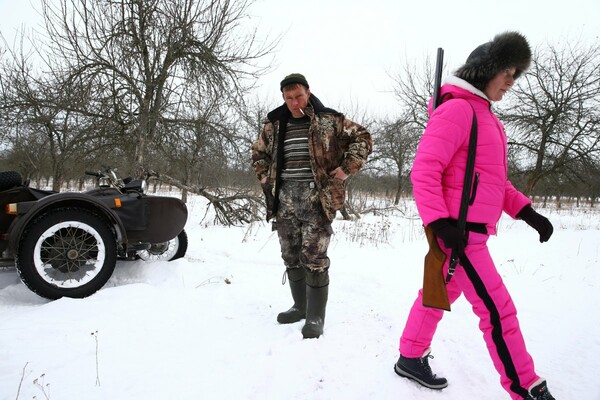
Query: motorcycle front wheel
[
  {"x": 166, "y": 251},
  {"x": 66, "y": 253}
]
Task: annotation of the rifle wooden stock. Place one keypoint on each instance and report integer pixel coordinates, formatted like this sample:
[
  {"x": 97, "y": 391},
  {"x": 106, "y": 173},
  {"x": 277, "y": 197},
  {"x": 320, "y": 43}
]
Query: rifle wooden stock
[{"x": 435, "y": 294}]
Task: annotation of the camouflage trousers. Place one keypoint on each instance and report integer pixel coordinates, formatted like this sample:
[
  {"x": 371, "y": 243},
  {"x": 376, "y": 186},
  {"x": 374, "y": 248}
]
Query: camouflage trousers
[{"x": 304, "y": 231}]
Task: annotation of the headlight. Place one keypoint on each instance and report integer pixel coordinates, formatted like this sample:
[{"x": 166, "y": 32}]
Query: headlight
[{"x": 103, "y": 182}]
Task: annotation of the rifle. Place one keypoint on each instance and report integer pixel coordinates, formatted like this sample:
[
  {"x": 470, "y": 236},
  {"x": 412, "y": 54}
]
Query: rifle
[
  {"x": 437, "y": 83},
  {"x": 435, "y": 294}
]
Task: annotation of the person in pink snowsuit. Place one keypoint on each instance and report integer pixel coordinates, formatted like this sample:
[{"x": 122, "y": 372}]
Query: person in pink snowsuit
[{"x": 438, "y": 175}]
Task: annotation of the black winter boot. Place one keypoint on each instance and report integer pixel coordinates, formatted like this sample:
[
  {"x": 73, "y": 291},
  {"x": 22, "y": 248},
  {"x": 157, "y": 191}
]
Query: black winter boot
[
  {"x": 297, "y": 278},
  {"x": 418, "y": 369},
  {"x": 540, "y": 392},
  {"x": 317, "y": 290}
]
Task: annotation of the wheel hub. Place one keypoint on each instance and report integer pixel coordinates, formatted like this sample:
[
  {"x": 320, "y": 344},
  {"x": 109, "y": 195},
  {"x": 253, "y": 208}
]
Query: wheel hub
[
  {"x": 65, "y": 252},
  {"x": 158, "y": 248},
  {"x": 72, "y": 254}
]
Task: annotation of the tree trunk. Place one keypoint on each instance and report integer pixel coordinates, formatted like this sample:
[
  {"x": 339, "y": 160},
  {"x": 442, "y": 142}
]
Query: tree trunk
[{"x": 398, "y": 188}]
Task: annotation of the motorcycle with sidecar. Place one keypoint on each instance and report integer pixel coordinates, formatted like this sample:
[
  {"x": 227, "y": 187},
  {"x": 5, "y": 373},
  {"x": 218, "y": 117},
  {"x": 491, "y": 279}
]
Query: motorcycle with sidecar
[{"x": 67, "y": 244}]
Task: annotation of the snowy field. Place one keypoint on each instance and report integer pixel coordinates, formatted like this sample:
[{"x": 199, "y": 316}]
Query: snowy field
[{"x": 204, "y": 327}]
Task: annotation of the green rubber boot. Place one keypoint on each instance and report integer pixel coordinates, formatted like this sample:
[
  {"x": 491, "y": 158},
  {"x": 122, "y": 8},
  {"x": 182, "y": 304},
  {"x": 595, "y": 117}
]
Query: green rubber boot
[
  {"x": 297, "y": 279},
  {"x": 317, "y": 291}
]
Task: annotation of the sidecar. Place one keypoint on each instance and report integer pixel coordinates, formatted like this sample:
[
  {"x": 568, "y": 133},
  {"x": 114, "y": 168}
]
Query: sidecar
[{"x": 67, "y": 244}]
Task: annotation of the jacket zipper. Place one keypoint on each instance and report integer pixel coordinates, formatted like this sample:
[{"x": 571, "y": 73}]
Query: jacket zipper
[{"x": 474, "y": 189}]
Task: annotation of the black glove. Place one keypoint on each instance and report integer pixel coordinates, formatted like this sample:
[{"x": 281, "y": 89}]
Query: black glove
[
  {"x": 452, "y": 237},
  {"x": 537, "y": 222}
]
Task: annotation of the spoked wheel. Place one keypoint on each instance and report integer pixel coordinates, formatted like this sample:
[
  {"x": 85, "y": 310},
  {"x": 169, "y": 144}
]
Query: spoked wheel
[
  {"x": 66, "y": 253},
  {"x": 166, "y": 251}
]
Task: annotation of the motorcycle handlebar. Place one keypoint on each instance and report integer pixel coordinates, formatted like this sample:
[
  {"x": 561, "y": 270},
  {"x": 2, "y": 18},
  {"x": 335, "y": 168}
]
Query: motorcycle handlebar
[{"x": 92, "y": 173}]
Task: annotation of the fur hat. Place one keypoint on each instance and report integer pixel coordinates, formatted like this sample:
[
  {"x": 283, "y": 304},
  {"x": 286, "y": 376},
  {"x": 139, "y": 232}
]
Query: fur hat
[
  {"x": 293, "y": 78},
  {"x": 508, "y": 49}
]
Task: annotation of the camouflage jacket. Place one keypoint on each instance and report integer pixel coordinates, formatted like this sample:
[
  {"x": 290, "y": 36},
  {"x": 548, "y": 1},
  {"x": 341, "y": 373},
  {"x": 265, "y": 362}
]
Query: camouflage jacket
[{"x": 334, "y": 141}]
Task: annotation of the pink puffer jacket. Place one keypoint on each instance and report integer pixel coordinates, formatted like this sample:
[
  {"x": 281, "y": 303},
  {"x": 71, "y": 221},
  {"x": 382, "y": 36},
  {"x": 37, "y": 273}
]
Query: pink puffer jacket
[{"x": 439, "y": 167}]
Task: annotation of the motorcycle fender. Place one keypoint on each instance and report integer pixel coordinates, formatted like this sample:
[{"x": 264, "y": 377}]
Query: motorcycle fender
[
  {"x": 166, "y": 217},
  {"x": 19, "y": 194},
  {"x": 103, "y": 206}
]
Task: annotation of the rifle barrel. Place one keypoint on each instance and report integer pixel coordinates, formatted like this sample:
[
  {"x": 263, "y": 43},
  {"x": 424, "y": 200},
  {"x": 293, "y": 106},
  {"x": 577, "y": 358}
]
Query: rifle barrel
[{"x": 439, "y": 63}]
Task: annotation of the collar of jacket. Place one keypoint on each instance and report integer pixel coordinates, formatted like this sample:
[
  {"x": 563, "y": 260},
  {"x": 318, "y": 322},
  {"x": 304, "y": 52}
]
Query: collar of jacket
[
  {"x": 461, "y": 83},
  {"x": 283, "y": 112},
  {"x": 456, "y": 88}
]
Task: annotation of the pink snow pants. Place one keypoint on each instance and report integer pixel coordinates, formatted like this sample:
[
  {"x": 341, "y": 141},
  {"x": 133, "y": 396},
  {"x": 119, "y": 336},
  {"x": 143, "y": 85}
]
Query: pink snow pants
[{"x": 491, "y": 302}]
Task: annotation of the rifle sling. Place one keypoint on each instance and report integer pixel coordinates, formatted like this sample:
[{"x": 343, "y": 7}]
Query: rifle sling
[{"x": 466, "y": 192}]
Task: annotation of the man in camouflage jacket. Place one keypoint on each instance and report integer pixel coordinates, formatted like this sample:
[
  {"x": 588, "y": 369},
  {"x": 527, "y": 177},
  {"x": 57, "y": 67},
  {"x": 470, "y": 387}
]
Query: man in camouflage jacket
[{"x": 304, "y": 153}]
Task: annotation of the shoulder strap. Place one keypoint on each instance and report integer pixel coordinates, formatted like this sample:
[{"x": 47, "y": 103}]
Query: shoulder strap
[{"x": 466, "y": 192}]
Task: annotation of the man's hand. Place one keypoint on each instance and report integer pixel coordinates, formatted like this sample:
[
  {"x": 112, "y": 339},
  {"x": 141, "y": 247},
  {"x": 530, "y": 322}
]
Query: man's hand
[
  {"x": 338, "y": 173},
  {"x": 268, "y": 192}
]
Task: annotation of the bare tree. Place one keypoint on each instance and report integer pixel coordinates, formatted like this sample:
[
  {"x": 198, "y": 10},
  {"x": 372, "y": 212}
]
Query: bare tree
[
  {"x": 44, "y": 118},
  {"x": 397, "y": 143},
  {"x": 413, "y": 87},
  {"x": 144, "y": 54},
  {"x": 553, "y": 117},
  {"x": 397, "y": 140}
]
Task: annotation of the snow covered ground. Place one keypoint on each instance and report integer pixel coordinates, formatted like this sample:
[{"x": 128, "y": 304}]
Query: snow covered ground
[{"x": 204, "y": 327}]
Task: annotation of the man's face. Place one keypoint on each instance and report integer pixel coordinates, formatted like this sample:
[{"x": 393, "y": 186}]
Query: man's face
[
  {"x": 500, "y": 84},
  {"x": 296, "y": 100}
]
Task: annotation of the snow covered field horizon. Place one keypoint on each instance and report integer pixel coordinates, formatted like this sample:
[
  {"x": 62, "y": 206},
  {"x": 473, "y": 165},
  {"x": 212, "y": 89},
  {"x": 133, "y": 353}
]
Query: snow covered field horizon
[{"x": 204, "y": 327}]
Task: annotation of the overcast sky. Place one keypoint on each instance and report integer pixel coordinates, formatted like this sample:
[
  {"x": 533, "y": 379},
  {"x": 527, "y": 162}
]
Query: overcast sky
[{"x": 348, "y": 48}]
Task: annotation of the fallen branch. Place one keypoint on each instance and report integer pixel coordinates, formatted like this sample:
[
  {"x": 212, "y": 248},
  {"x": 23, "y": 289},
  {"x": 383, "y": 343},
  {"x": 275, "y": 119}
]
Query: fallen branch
[{"x": 240, "y": 208}]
